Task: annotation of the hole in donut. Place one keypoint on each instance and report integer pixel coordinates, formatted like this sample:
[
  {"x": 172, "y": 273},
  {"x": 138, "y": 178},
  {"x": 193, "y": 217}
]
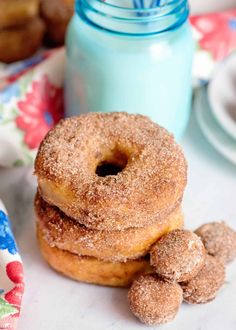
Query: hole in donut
[
  {"x": 113, "y": 164},
  {"x": 108, "y": 169}
]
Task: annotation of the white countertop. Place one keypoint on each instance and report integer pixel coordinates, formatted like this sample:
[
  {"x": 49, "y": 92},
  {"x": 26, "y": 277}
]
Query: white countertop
[{"x": 52, "y": 302}]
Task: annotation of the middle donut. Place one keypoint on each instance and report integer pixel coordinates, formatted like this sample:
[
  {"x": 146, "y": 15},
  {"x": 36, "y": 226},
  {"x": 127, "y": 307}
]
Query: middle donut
[{"x": 68, "y": 234}]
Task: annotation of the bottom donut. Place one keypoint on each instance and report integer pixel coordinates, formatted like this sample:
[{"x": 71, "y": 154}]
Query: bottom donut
[{"x": 92, "y": 270}]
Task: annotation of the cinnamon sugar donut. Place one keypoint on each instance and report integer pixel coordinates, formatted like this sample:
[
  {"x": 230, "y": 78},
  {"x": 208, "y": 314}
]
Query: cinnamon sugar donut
[
  {"x": 67, "y": 234},
  {"x": 21, "y": 42},
  {"x": 92, "y": 270},
  {"x": 153, "y": 300},
  {"x": 178, "y": 255},
  {"x": 219, "y": 240},
  {"x": 17, "y": 12},
  {"x": 111, "y": 171},
  {"x": 205, "y": 286}
]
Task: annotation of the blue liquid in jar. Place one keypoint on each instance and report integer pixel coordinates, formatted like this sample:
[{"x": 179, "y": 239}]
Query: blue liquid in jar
[{"x": 138, "y": 66}]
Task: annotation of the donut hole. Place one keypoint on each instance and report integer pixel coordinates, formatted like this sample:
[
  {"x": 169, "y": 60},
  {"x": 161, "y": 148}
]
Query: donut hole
[
  {"x": 108, "y": 169},
  {"x": 112, "y": 164}
]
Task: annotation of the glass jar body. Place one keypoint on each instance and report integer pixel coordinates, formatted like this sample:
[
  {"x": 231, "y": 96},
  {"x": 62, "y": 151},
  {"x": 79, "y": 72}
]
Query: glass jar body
[{"x": 146, "y": 74}]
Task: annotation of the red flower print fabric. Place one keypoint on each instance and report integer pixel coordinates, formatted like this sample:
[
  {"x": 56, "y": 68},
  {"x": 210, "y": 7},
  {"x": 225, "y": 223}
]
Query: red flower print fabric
[
  {"x": 217, "y": 32},
  {"x": 39, "y": 111}
]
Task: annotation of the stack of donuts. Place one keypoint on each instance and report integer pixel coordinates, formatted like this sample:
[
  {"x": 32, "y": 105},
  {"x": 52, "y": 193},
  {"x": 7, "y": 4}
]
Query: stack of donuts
[
  {"x": 21, "y": 29},
  {"x": 109, "y": 186},
  {"x": 25, "y": 24}
]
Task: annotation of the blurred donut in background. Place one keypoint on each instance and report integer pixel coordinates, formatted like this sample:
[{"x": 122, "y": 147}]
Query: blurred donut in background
[
  {"x": 17, "y": 12},
  {"x": 18, "y": 43},
  {"x": 56, "y": 14},
  {"x": 25, "y": 24}
]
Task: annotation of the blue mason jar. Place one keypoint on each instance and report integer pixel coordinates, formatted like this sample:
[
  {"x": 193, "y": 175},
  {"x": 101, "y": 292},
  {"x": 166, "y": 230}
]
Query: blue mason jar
[{"x": 130, "y": 59}]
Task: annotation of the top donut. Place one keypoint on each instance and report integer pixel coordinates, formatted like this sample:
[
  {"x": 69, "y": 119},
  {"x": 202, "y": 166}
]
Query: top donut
[{"x": 111, "y": 171}]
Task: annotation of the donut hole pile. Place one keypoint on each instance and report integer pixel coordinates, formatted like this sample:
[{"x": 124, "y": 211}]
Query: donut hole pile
[
  {"x": 190, "y": 266},
  {"x": 109, "y": 185}
]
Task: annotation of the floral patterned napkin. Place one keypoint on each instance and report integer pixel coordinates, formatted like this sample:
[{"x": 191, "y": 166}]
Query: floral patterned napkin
[
  {"x": 11, "y": 275},
  {"x": 31, "y": 102}
]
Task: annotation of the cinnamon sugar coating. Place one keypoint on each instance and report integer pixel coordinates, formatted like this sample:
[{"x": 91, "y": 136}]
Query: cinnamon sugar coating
[
  {"x": 204, "y": 287},
  {"x": 219, "y": 240},
  {"x": 178, "y": 255},
  {"x": 67, "y": 234},
  {"x": 150, "y": 185},
  {"x": 153, "y": 300}
]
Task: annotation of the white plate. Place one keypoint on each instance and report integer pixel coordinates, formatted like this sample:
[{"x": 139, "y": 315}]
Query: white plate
[
  {"x": 222, "y": 95},
  {"x": 214, "y": 133}
]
